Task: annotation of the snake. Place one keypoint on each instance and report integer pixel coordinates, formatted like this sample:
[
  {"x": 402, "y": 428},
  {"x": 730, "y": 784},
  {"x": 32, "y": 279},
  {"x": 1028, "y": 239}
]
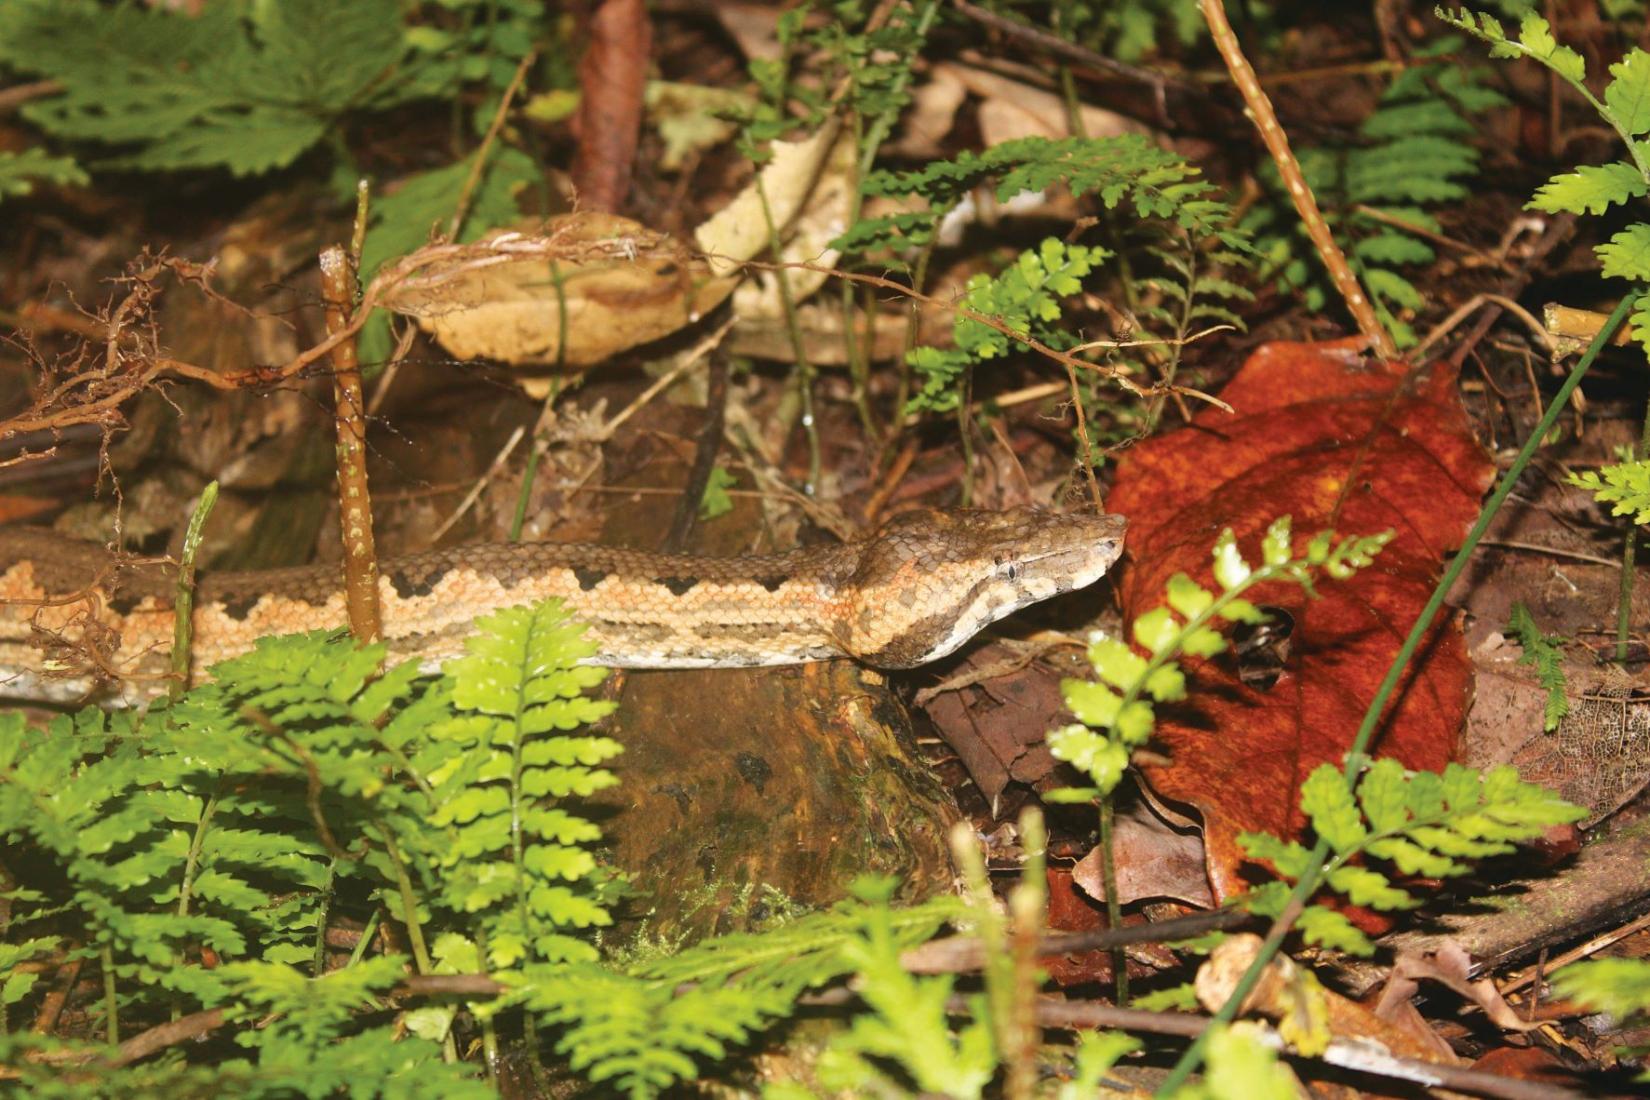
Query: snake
[{"x": 79, "y": 622}]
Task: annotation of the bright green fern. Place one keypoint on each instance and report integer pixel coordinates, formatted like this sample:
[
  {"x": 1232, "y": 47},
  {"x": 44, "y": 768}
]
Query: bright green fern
[
  {"x": 1424, "y": 824},
  {"x": 1115, "y": 712},
  {"x": 1624, "y": 485},
  {"x": 518, "y": 862},
  {"x": 1545, "y": 653},
  {"x": 1620, "y": 987},
  {"x": 1591, "y": 189},
  {"x": 20, "y": 172},
  {"x": 1412, "y": 154}
]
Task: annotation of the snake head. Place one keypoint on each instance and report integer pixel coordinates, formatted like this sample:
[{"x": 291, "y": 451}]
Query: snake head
[{"x": 928, "y": 581}]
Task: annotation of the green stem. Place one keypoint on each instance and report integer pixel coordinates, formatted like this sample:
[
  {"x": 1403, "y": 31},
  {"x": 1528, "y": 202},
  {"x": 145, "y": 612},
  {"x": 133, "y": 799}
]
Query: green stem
[
  {"x": 527, "y": 478},
  {"x": 367, "y": 932},
  {"x": 1114, "y": 907},
  {"x": 111, "y": 1009},
  {"x": 793, "y": 325},
  {"x": 409, "y": 901},
  {"x": 184, "y": 598},
  {"x": 318, "y": 963},
  {"x": 1311, "y": 878},
  {"x": 192, "y": 860},
  {"x": 1629, "y": 558}
]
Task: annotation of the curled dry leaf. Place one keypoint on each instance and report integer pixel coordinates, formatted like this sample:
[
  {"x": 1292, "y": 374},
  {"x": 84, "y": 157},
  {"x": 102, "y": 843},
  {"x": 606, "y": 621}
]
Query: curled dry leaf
[
  {"x": 1308, "y": 1014},
  {"x": 1336, "y": 442},
  {"x": 1451, "y": 966},
  {"x": 591, "y": 285},
  {"x": 614, "y": 282}
]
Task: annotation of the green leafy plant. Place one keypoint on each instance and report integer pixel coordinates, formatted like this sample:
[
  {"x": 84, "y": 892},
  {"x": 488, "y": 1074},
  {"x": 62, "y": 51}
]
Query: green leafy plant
[
  {"x": 248, "y": 87},
  {"x": 1025, "y": 297},
  {"x": 300, "y": 786},
  {"x": 1182, "y": 242},
  {"x": 1127, "y": 169},
  {"x": 1545, "y": 653},
  {"x": 1424, "y": 824},
  {"x": 1377, "y": 193},
  {"x": 1624, "y": 485},
  {"x": 19, "y": 172},
  {"x": 1590, "y": 189},
  {"x": 654, "y": 1023},
  {"x": 1620, "y": 987},
  {"x": 1115, "y": 711}
]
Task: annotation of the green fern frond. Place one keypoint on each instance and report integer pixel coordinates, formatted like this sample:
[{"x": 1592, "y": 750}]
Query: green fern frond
[
  {"x": 1425, "y": 824},
  {"x": 1546, "y": 654},
  {"x": 1410, "y": 154},
  {"x": 517, "y": 862},
  {"x": 1590, "y": 189},
  {"x": 1624, "y": 485},
  {"x": 20, "y": 171},
  {"x": 1115, "y": 711}
]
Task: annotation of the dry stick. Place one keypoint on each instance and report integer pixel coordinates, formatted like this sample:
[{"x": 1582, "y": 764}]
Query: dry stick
[
  {"x": 1277, "y": 144},
  {"x": 349, "y": 423},
  {"x": 473, "y": 180}
]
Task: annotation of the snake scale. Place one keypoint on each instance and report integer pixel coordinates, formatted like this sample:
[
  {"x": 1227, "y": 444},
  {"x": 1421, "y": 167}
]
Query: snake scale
[{"x": 77, "y": 621}]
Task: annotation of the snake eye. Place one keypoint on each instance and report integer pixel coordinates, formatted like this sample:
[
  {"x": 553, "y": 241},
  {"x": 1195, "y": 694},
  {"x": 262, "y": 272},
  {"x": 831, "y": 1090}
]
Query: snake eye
[{"x": 1010, "y": 570}]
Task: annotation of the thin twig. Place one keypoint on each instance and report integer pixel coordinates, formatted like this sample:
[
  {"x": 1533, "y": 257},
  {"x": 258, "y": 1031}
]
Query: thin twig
[
  {"x": 1471, "y": 306},
  {"x": 480, "y": 483},
  {"x": 1277, "y": 144},
  {"x": 472, "y": 180}
]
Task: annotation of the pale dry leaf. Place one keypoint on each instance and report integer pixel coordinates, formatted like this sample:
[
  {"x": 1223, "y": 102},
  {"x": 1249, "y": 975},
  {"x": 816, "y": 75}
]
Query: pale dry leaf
[
  {"x": 616, "y": 282},
  {"x": 821, "y": 216},
  {"x": 1012, "y": 109},
  {"x": 739, "y": 231}
]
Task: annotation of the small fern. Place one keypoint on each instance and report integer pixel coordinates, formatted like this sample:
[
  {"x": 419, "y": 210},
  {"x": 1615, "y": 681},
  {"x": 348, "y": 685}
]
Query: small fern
[
  {"x": 1025, "y": 297},
  {"x": 1411, "y": 155},
  {"x": 1127, "y": 169},
  {"x": 1545, "y": 654},
  {"x": 20, "y": 172},
  {"x": 1424, "y": 824},
  {"x": 1590, "y": 189},
  {"x": 1624, "y": 485},
  {"x": 518, "y": 862},
  {"x": 1619, "y": 986},
  {"x": 1115, "y": 712},
  {"x": 649, "y": 1026}
]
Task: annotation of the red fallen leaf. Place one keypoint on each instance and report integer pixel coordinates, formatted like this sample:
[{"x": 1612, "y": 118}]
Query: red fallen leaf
[{"x": 1334, "y": 441}]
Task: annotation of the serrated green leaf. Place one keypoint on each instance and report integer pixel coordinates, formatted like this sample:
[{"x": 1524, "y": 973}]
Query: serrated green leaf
[
  {"x": 1324, "y": 927},
  {"x": 1536, "y": 36},
  {"x": 1627, "y": 96},
  {"x": 1626, "y": 255},
  {"x": 1367, "y": 886},
  {"x": 1590, "y": 189},
  {"x": 1329, "y": 805}
]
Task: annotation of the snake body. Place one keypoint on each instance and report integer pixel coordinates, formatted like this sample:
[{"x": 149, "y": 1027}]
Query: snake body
[{"x": 76, "y": 621}]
